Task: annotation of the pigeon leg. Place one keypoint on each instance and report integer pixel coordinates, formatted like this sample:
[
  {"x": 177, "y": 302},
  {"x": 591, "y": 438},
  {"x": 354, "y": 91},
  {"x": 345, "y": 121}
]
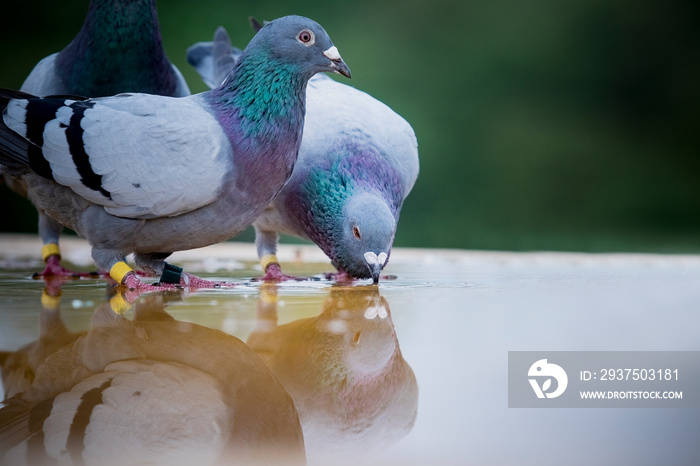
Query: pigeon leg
[
  {"x": 49, "y": 231},
  {"x": 55, "y": 269},
  {"x": 266, "y": 244},
  {"x": 274, "y": 274},
  {"x": 273, "y": 271}
]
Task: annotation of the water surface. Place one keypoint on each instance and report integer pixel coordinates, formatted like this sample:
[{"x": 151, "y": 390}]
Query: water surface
[{"x": 413, "y": 371}]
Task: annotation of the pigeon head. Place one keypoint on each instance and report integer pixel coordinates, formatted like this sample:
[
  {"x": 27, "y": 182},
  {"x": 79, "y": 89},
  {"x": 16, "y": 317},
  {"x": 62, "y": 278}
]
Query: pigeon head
[
  {"x": 301, "y": 43},
  {"x": 354, "y": 225},
  {"x": 366, "y": 231},
  {"x": 348, "y": 204}
]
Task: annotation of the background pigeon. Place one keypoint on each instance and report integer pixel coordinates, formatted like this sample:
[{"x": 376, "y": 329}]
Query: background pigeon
[
  {"x": 118, "y": 49},
  {"x": 357, "y": 163},
  {"x": 152, "y": 174}
]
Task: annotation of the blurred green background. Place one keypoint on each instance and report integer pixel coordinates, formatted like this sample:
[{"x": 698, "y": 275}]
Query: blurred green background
[{"x": 542, "y": 125}]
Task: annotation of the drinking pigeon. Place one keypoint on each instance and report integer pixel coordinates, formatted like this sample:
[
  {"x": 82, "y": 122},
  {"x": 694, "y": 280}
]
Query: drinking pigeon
[
  {"x": 357, "y": 163},
  {"x": 151, "y": 174},
  {"x": 118, "y": 49}
]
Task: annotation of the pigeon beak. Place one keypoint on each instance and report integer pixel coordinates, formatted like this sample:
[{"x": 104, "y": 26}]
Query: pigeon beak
[
  {"x": 337, "y": 63},
  {"x": 376, "y": 264}
]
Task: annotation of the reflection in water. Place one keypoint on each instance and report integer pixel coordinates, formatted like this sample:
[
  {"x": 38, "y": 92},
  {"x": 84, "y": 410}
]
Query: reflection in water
[
  {"x": 150, "y": 390},
  {"x": 352, "y": 388},
  {"x": 18, "y": 368}
]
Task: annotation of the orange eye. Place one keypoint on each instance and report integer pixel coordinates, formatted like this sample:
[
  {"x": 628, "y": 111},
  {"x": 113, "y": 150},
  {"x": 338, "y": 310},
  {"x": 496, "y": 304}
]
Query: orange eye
[
  {"x": 306, "y": 37},
  {"x": 356, "y": 232}
]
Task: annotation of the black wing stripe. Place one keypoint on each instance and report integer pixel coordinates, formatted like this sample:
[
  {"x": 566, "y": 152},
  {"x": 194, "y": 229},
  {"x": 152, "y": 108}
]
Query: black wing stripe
[
  {"x": 38, "y": 163},
  {"x": 76, "y": 437},
  {"x": 74, "y": 136},
  {"x": 38, "y": 113}
]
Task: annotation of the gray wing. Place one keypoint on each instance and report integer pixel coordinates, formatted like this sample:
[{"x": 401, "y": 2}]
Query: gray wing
[{"x": 138, "y": 155}]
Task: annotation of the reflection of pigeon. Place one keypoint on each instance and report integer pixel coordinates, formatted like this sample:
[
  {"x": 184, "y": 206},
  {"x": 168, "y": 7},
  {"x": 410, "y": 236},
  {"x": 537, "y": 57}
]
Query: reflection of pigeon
[
  {"x": 18, "y": 368},
  {"x": 152, "y": 174},
  {"x": 151, "y": 391},
  {"x": 118, "y": 49},
  {"x": 354, "y": 392},
  {"x": 357, "y": 163}
]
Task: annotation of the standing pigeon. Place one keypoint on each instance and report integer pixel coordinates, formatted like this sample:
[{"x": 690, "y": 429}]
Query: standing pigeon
[
  {"x": 118, "y": 49},
  {"x": 152, "y": 174},
  {"x": 357, "y": 163}
]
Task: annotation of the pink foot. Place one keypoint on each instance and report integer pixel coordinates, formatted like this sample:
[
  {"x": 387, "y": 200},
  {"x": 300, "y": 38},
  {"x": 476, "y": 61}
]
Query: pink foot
[
  {"x": 55, "y": 269},
  {"x": 132, "y": 282},
  {"x": 53, "y": 284},
  {"x": 187, "y": 280},
  {"x": 274, "y": 274},
  {"x": 192, "y": 281},
  {"x": 341, "y": 276}
]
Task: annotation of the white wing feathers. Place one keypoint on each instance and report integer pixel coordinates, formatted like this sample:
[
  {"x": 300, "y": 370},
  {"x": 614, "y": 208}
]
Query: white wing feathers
[{"x": 157, "y": 156}]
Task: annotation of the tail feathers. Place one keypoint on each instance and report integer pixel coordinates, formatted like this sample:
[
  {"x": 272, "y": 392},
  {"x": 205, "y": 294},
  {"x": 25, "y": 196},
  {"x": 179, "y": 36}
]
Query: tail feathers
[
  {"x": 16, "y": 152},
  {"x": 199, "y": 56},
  {"x": 7, "y": 94},
  {"x": 224, "y": 54},
  {"x": 14, "y": 423},
  {"x": 214, "y": 60},
  {"x": 255, "y": 24},
  {"x": 14, "y": 149}
]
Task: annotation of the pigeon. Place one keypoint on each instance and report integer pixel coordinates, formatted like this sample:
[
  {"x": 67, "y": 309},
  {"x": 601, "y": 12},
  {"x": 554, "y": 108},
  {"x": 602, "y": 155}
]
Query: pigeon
[
  {"x": 151, "y": 175},
  {"x": 18, "y": 368},
  {"x": 152, "y": 390},
  {"x": 354, "y": 391},
  {"x": 118, "y": 49},
  {"x": 357, "y": 163}
]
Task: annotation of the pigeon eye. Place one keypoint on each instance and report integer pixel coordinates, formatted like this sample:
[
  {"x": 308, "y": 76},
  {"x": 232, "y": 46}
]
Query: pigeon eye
[
  {"x": 356, "y": 232},
  {"x": 306, "y": 37}
]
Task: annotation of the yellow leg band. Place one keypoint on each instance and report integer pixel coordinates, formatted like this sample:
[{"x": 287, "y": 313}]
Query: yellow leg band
[
  {"x": 268, "y": 296},
  {"x": 267, "y": 260},
  {"x": 50, "y": 249},
  {"x": 118, "y": 304},
  {"x": 50, "y": 302},
  {"x": 119, "y": 271}
]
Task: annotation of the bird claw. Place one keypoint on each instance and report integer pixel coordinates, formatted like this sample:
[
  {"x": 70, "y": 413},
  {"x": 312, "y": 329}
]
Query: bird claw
[
  {"x": 274, "y": 274},
  {"x": 187, "y": 281},
  {"x": 192, "y": 281},
  {"x": 340, "y": 276},
  {"x": 132, "y": 282},
  {"x": 55, "y": 269}
]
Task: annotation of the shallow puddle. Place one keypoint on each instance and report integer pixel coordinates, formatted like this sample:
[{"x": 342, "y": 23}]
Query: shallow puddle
[{"x": 414, "y": 371}]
